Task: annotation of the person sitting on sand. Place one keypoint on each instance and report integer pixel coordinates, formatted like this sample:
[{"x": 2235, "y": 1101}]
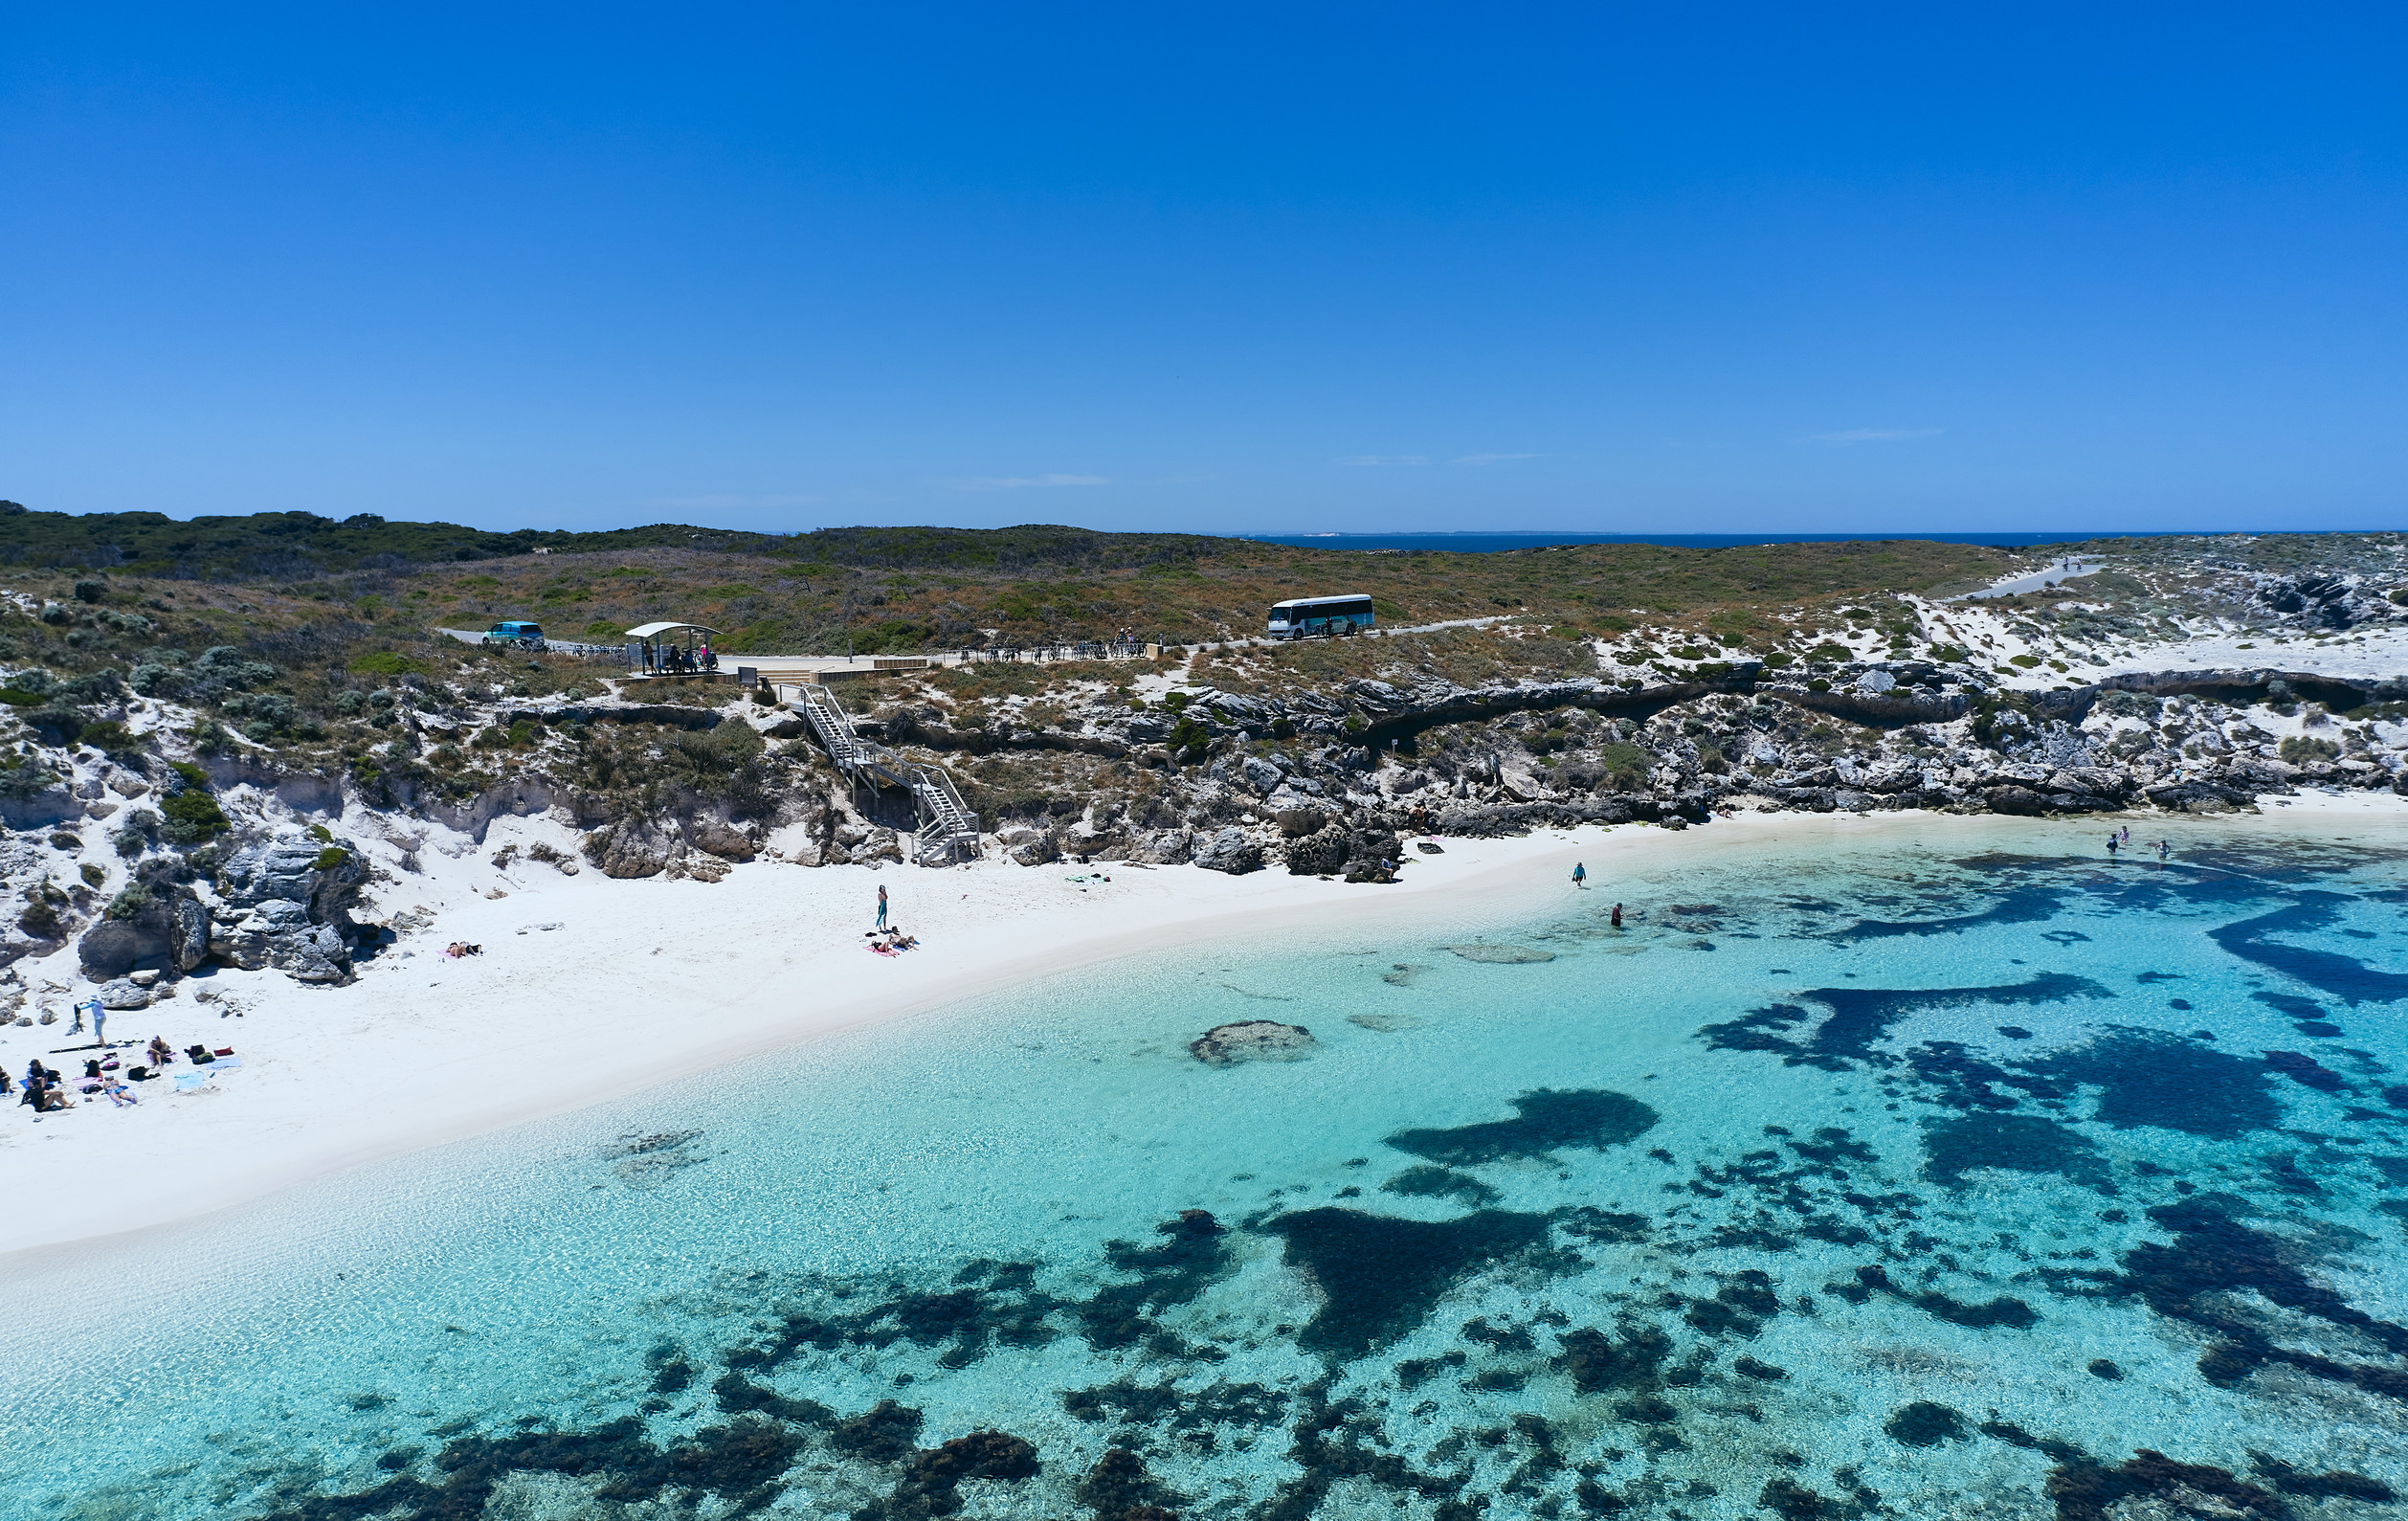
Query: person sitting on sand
[{"x": 160, "y": 1054}]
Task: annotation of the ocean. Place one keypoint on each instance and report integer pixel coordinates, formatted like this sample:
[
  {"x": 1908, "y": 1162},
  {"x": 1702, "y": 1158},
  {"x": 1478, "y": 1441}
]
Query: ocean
[
  {"x": 1846, "y": 1180},
  {"x": 1479, "y": 542}
]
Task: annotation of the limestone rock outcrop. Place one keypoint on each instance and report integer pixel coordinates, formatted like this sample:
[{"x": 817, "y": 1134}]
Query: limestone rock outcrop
[
  {"x": 1228, "y": 850},
  {"x": 1251, "y": 1040}
]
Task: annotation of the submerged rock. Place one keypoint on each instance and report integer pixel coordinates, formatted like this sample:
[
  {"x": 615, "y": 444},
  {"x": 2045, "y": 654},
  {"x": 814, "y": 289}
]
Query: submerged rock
[
  {"x": 1380, "y": 1276},
  {"x": 1502, "y": 955},
  {"x": 1251, "y": 1040}
]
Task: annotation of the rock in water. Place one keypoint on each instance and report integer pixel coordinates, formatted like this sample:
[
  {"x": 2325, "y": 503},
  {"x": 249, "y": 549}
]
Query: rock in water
[
  {"x": 1502, "y": 955},
  {"x": 1251, "y": 1040}
]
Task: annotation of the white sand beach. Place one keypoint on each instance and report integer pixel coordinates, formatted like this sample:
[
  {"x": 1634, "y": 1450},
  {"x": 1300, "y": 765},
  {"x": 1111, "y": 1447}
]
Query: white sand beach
[{"x": 587, "y": 989}]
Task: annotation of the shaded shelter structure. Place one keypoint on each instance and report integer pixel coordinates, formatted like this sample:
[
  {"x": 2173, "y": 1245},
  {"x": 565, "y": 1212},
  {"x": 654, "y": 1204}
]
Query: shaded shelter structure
[{"x": 671, "y": 649}]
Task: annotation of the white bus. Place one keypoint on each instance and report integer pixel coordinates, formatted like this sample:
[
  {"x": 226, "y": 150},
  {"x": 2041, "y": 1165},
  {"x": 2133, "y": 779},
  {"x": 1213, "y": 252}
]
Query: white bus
[{"x": 1306, "y": 615}]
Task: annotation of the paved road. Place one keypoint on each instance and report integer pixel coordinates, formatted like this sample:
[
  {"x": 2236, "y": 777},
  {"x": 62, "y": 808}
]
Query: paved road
[
  {"x": 800, "y": 667},
  {"x": 2055, "y": 576},
  {"x": 565, "y": 646}
]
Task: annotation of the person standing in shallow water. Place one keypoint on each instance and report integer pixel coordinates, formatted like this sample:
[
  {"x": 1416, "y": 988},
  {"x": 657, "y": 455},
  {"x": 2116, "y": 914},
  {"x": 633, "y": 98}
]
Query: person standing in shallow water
[
  {"x": 2110, "y": 848},
  {"x": 881, "y": 906},
  {"x": 1579, "y": 875},
  {"x": 1617, "y": 916}
]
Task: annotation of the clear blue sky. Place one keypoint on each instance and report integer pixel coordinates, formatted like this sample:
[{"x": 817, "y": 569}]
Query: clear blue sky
[{"x": 1603, "y": 268}]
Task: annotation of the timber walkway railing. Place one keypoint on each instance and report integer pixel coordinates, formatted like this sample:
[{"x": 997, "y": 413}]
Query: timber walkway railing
[{"x": 949, "y": 831}]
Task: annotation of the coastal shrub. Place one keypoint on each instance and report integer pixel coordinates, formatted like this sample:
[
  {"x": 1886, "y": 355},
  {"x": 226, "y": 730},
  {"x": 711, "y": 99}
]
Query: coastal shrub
[
  {"x": 139, "y": 831},
  {"x": 1626, "y": 766},
  {"x": 111, "y": 738},
  {"x": 40, "y": 919},
  {"x": 2027, "y": 662},
  {"x": 91, "y": 590},
  {"x": 129, "y": 903},
  {"x": 2299, "y": 750},
  {"x": 390, "y": 662},
  {"x": 192, "y": 815},
  {"x": 1189, "y": 739},
  {"x": 331, "y": 858}
]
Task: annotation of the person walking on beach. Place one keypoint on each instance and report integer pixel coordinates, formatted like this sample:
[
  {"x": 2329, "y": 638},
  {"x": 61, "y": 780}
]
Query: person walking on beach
[
  {"x": 881, "y": 906},
  {"x": 1579, "y": 875}
]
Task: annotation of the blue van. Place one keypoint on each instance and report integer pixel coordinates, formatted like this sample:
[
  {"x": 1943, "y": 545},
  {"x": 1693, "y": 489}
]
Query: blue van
[{"x": 514, "y": 634}]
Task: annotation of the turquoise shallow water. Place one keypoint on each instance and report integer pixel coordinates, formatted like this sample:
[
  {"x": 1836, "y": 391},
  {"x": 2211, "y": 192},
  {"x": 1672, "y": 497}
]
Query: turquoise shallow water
[{"x": 1845, "y": 1181}]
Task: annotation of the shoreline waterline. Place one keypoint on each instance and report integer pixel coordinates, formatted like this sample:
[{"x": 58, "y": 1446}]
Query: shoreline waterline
[
  {"x": 1845, "y": 1162},
  {"x": 282, "y": 1129}
]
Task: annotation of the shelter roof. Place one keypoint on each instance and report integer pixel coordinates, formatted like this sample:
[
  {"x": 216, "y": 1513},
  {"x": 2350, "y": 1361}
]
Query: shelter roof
[{"x": 649, "y": 631}]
